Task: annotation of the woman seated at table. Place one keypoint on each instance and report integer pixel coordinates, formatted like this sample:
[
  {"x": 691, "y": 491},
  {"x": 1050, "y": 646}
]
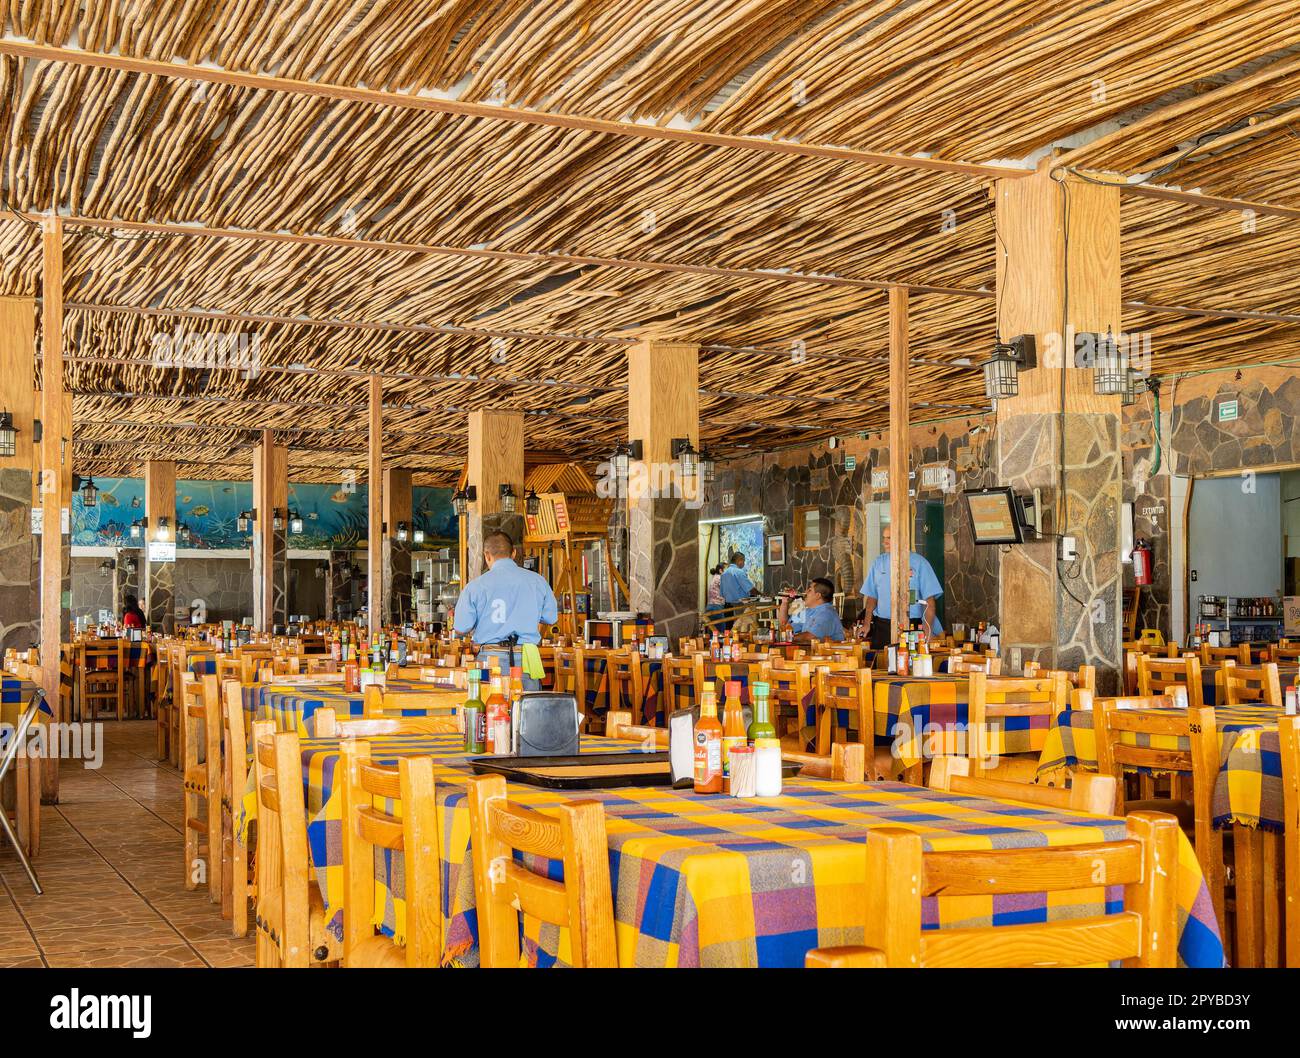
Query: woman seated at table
[
  {"x": 132, "y": 615},
  {"x": 819, "y": 619}
]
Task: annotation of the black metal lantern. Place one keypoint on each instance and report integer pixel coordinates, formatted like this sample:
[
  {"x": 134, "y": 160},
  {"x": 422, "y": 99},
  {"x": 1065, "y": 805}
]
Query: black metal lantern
[
  {"x": 106, "y": 568},
  {"x": 295, "y": 522},
  {"x": 688, "y": 459},
  {"x": 89, "y": 494},
  {"x": 403, "y": 532},
  {"x": 182, "y": 533},
  {"x": 462, "y": 498},
  {"x": 163, "y": 531},
  {"x": 1134, "y": 382},
  {"x": 417, "y": 535},
  {"x": 1002, "y": 369},
  {"x": 138, "y": 528},
  {"x": 277, "y": 519},
  {"x": 708, "y": 467},
  {"x": 532, "y": 502},
  {"x": 8, "y": 435},
  {"x": 244, "y": 523},
  {"x": 322, "y": 568},
  {"x": 624, "y": 456},
  {"x": 132, "y": 567},
  {"x": 1109, "y": 364},
  {"x": 507, "y": 494}
]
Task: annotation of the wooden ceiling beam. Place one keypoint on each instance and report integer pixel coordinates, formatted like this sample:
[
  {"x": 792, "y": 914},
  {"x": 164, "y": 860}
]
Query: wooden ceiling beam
[{"x": 514, "y": 115}]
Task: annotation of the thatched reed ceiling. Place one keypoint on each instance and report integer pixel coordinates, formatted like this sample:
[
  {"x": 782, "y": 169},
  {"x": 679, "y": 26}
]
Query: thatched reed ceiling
[{"x": 1127, "y": 86}]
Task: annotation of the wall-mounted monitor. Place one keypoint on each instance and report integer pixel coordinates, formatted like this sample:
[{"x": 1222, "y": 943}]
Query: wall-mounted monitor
[{"x": 994, "y": 515}]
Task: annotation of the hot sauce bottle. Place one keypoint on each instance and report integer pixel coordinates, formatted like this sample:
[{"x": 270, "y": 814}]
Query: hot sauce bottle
[
  {"x": 708, "y": 744},
  {"x": 733, "y": 730},
  {"x": 498, "y": 719}
]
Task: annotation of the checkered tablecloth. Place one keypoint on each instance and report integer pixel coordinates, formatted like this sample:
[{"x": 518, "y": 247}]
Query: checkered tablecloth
[
  {"x": 292, "y": 705},
  {"x": 15, "y": 693},
  {"x": 718, "y": 881},
  {"x": 1249, "y": 786},
  {"x": 924, "y": 717},
  {"x": 203, "y": 663}
]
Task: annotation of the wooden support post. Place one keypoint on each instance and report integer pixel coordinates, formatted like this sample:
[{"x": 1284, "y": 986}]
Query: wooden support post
[
  {"x": 496, "y": 458},
  {"x": 270, "y": 497},
  {"x": 159, "y": 602},
  {"x": 398, "y": 608},
  {"x": 20, "y": 574},
  {"x": 900, "y": 446},
  {"x": 375, "y": 483}
]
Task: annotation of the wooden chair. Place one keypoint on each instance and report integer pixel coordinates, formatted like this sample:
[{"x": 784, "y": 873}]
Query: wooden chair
[
  {"x": 290, "y": 912},
  {"x": 618, "y": 724},
  {"x": 846, "y": 762},
  {"x": 317, "y": 665},
  {"x": 571, "y": 678},
  {"x": 504, "y": 889},
  {"x": 101, "y": 679},
  {"x": 1284, "y": 653},
  {"x": 626, "y": 673},
  {"x": 960, "y": 664},
  {"x": 991, "y": 697},
  {"x": 161, "y": 689},
  {"x": 851, "y": 690},
  {"x": 1249, "y": 684},
  {"x": 228, "y": 668},
  {"x": 1162, "y": 676},
  {"x": 900, "y": 875},
  {"x": 1112, "y": 718},
  {"x": 201, "y": 705},
  {"x": 237, "y": 885},
  {"x": 1218, "y": 655},
  {"x": 1093, "y": 794},
  {"x": 1085, "y": 678},
  {"x": 1289, "y": 736},
  {"x": 682, "y": 679},
  {"x": 414, "y": 834}
]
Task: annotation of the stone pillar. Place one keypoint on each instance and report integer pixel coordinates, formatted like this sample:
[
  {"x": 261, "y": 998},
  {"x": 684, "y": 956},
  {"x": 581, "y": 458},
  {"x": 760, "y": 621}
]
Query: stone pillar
[
  {"x": 270, "y": 551},
  {"x": 338, "y": 586},
  {"x": 663, "y": 509},
  {"x": 1062, "y": 245},
  {"x": 398, "y": 608},
  {"x": 496, "y": 458},
  {"x": 159, "y": 597},
  {"x": 126, "y": 581},
  {"x": 19, "y": 558}
]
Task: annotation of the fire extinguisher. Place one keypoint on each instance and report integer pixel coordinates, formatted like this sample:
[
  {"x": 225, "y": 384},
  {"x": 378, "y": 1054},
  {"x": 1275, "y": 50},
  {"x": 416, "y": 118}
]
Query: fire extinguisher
[{"x": 1142, "y": 562}]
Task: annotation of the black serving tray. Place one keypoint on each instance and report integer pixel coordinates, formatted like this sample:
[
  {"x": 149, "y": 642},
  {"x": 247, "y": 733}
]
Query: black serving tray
[{"x": 656, "y": 770}]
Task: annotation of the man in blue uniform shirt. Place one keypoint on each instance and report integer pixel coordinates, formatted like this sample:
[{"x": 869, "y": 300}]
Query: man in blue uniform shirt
[
  {"x": 819, "y": 619},
  {"x": 736, "y": 586},
  {"x": 503, "y": 602},
  {"x": 924, "y": 588}
]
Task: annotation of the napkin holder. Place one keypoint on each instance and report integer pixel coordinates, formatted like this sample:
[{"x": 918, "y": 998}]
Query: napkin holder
[
  {"x": 681, "y": 743},
  {"x": 545, "y": 724}
]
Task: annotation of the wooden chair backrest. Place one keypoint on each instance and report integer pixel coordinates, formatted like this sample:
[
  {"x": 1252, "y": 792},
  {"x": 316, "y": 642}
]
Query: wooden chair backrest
[
  {"x": 1144, "y": 934},
  {"x": 270, "y": 859},
  {"x": 964, "y": 664},
  {"x": 571, "y": 674},
  {"x": 228, "y": 668},
  {"x": 1217, "y": 655},
  {"x": 618, "y": 724},
  {"x": 1289, "y": 736},
  {"x": 321, "y": 664},
  {"x": 1284, "y": 653},
  {"x": 846, "y": 689},
  {"x": 414, "y": 834},
  {"x": 992, "y": 696},
  {"x": 1158, "y": 676},
  {"x": 109, "y": 652},
  {"x": 846, "y": 762},
  {"x": 294, "y": 862},
  {"x": 1249, "y": 684},
  {"x": 680, "y": 673},
  {"x": 1093, "y": 794},
  {"x": 504, "y": 888},
  {"x": 201, "y": 703},
  {"x": 626, "y": 677},
  {"x": 1085, "y": 678},
  {"x": 235, "y": 765}
]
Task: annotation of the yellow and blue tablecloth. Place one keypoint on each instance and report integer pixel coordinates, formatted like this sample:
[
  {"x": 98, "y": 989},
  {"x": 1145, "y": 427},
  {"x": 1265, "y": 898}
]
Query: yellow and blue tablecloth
[
  {"x": 291, "y": 706},
  {"x": 1249, "y": 787},
  {"x": 719, "y": 881}
]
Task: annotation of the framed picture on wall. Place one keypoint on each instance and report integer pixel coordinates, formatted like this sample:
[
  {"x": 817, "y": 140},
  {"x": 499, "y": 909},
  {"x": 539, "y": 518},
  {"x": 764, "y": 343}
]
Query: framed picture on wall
[{"x": 776, "y": 550}]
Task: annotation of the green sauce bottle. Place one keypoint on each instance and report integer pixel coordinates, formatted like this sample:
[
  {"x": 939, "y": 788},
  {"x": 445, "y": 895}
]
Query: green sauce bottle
[
  {"x": 475, "y": 716},
  {"x": 761, "y": 725}
]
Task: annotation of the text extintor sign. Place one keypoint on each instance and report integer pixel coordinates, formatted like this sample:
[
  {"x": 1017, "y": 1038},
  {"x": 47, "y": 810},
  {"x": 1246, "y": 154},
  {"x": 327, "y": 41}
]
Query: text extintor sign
[
  {"x": 162, "y": 550},
  {"x": 1229, "y": 411}
]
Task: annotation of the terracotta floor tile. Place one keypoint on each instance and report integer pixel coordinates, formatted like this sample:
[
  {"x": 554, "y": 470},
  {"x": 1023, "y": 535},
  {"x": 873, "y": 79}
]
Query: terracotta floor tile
[
  {"x": 231, "y": 952},
  {"x": 162, "y": 956}
]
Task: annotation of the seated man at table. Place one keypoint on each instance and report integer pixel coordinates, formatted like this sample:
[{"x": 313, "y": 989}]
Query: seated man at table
[
  {"x": 504, "y": 602},
  {"x": 819, "y": 619},
  {"x": 736, "y": 587}
]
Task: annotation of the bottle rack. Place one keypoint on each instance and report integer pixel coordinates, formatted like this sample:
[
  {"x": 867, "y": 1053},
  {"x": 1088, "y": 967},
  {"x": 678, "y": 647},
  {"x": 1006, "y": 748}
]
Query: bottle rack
[{"x": 1246, "y": 619}]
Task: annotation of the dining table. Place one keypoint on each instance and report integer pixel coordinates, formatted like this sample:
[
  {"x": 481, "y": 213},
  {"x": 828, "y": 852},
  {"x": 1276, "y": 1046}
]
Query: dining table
[
  {"x": 712, "y": 880},
  {"x": 291, "y": 702}
]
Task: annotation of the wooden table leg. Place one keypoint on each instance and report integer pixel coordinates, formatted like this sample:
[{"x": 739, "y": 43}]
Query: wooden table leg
[
  {"x": 1272, "y": 918},
  {"x": 1248, "y": 856},
  {"x": 824, "y": 723}
]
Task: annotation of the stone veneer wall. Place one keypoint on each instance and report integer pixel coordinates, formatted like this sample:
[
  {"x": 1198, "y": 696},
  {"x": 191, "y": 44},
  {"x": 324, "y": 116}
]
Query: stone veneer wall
[
  {"x": 91, "y": 592},
  {"x": 19, "y": 563},
  {"x": 775, "y": 483},
  {"x": 225, "y": 584}
]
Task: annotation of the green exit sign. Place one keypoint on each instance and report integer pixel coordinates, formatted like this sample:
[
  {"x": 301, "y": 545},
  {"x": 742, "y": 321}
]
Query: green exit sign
[
  {"x": 850, "y": 462},
  {"x": 1229, "y": 410}
]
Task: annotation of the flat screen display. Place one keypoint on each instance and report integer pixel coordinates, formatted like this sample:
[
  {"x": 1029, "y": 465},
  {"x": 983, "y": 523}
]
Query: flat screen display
[{"x": 993, "y": 516}]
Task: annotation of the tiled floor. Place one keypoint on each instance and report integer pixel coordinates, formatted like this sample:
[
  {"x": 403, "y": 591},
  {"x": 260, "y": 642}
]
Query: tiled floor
[{"x": 111, "y": 865}]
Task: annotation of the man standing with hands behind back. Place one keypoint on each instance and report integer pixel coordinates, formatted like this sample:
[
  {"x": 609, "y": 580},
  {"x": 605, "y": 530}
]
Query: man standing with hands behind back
[{"x": 877, "y": 594}]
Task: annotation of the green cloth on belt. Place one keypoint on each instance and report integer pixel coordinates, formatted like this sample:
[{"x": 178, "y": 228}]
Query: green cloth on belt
[{"x": 532, "y": 659}]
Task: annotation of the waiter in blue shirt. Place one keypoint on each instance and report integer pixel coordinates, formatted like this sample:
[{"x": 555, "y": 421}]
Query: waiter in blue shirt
[
  {"x": 877, "y": 594},
  {"x": 505, "y": 601},
  {"x": 736, "y": 585},
  {"x": 819, "y": 619}
]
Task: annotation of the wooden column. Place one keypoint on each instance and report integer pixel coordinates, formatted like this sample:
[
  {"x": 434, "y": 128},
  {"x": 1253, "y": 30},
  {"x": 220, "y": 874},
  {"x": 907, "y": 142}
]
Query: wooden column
[
  {"x": 20, "y": 572},
  {"x": 1060, "y": 274},
  {"x": 496, "y": 458},
  {"x": 159, "y": 600},
  {"x": 375, "y": 483},
  {"x": 900, "y": 449},
  {"x": 270, "y": 568},
  {"x": 397, "y": 553},
  {"x": 663, "y": 521}
]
